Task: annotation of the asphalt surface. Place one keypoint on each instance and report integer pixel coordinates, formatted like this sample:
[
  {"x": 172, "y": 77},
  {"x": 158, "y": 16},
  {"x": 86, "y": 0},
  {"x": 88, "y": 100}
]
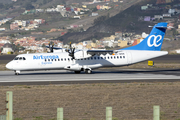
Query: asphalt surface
[{"x": 98, "y": 76}]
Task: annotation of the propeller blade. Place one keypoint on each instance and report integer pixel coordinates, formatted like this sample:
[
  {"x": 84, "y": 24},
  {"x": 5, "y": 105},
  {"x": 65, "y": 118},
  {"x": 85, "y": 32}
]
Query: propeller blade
[
  {"x": 71, "y": 51},
  {"x": 52, "y": 48}
]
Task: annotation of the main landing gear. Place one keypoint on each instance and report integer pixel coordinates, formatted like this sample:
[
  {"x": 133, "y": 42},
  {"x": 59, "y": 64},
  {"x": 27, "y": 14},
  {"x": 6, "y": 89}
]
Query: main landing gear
[
  {"x": 87, "y": 71},
  {"x": 17, "y": 72}
]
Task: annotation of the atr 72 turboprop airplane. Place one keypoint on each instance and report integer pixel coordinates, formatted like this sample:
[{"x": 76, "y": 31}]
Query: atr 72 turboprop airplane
[{"x": 87, "y": 60}]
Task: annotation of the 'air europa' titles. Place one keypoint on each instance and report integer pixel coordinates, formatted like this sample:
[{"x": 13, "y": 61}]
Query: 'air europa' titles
[{"x": 36, "y": 57}]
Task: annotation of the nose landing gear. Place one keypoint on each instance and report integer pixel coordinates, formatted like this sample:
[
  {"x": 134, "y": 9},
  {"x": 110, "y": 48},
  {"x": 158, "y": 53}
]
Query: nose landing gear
[{"x": 17, "y": 72}]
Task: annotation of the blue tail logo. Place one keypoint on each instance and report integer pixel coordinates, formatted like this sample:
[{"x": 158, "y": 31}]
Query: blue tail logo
[
  {"x": 154, "y": 41},
  {"x": 157, "y": 39}
]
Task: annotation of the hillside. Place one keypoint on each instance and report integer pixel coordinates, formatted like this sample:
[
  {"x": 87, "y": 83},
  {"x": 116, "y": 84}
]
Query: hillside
[
  {"x": 55, "y": 20},
  {"x": 126, "y": 21},
  {"x": 5, "y": 1}
]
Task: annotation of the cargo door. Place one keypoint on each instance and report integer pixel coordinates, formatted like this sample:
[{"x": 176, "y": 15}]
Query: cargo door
[{"x": 129, "y": 58}]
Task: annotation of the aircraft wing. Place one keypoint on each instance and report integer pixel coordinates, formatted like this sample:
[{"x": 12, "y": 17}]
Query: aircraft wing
[
  {"x": 99, "y": 52},
  {"x": 56, "y": 48}
]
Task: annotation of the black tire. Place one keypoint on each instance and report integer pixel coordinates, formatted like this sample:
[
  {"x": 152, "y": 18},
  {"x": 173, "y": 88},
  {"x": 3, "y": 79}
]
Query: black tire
[
  {"x": 88, "y": 71},
  {"x": 16, "y": 73}
]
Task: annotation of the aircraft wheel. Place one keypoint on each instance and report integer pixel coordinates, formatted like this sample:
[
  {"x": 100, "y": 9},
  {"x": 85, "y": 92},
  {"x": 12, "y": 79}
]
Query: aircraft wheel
[
  {"x": 16, "y": 73},
  {"x": 77, "y": 72},
  {"x": 88, "y": 71}
]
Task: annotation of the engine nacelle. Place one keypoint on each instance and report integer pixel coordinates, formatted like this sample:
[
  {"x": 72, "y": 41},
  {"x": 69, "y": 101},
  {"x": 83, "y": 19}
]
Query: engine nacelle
[{"x": 73, "y": 67}]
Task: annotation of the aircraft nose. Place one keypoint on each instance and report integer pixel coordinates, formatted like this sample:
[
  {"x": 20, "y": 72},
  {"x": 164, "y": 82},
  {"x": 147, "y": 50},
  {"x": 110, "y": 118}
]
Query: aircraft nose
[{"x": 9, "y": 66}]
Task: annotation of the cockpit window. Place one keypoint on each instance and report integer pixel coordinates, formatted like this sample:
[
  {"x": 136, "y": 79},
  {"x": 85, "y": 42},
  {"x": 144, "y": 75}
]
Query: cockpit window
[
  {"x": 19, "y": 58},
  {"x": 16, "y": 58}
]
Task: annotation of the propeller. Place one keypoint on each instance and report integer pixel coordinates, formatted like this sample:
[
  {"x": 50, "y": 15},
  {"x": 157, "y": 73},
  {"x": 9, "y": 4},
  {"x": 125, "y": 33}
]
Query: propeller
[
  {"x": 71, "y": 51},
  {"x": 51, "y": 46}
]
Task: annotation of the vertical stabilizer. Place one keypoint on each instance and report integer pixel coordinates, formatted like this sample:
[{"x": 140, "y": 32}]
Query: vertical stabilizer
[{"x": 154, "y": 41}]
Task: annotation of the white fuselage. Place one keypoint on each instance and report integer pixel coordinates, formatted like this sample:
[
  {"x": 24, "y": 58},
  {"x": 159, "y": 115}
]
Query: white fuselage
[{"x": 50, "y": 61}]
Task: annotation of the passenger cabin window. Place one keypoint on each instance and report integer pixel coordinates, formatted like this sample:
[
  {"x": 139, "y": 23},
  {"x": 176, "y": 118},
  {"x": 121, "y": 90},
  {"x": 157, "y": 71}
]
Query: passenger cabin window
[
  {"x": 114, "y": 57},
  {"x": 61, "y": 59},
  {"x": 117, "y": 57},
  {"x": 123, "y": 56},
  {"x": 120, "y": 56}
]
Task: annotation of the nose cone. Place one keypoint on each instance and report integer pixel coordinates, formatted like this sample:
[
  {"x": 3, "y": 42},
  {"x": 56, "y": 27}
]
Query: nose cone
[{"x": 9, "y": 66}]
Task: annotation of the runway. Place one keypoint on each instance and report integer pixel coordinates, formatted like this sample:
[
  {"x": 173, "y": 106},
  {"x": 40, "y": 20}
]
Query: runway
[{"x": 98, "y": 76}]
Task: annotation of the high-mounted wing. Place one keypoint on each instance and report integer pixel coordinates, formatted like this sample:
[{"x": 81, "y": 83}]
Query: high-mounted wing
[
  {"x": 56, "y": 48},
  {"x": 80, "y": 54},
  {"x": 100, "y": 52}
]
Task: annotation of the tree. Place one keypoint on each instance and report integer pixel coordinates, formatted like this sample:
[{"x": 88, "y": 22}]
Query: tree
[
  {"x": 33, "y": 0},
  {"x": 44, "y": 1},
  {"x": 1, "y": 5},
  {"x": 43, "y": 45},
  {"x": 29, "y": 6},
  {"x": 8, "y": 6},
  {"x": 94, "y": 9},
  {"x": 21, "y": 48},
  {"x": 99, "y": 19}
]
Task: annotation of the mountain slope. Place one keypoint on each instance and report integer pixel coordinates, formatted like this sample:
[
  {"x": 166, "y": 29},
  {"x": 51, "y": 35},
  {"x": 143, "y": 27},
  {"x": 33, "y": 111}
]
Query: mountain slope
[{"x": 126, "y": 21}]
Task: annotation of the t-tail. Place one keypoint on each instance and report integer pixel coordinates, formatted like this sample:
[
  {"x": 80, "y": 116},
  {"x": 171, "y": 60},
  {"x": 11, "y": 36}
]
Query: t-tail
[{"x": 154, "y": 41}]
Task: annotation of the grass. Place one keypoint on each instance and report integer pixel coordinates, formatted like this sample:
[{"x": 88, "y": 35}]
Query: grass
[
  {"x": 38, "y": 118},
  {"x": 18, "y": 119},
  {"x": 86, "y": 98}
]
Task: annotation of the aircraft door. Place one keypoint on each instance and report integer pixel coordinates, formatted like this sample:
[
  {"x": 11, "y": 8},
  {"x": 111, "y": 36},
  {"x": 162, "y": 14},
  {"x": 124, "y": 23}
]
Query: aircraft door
[{"x": 129, "y": 57}]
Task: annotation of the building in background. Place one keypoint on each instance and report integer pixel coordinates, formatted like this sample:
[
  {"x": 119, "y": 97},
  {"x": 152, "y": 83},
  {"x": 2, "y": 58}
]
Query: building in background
[{"x": 7, "y": 49}]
